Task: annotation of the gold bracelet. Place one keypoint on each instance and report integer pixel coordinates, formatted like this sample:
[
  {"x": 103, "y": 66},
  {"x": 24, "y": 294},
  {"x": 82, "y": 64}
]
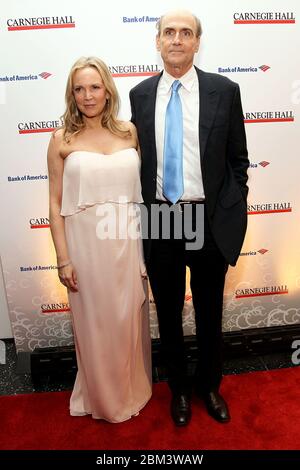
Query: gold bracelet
[{"x": 64, "y": 265}]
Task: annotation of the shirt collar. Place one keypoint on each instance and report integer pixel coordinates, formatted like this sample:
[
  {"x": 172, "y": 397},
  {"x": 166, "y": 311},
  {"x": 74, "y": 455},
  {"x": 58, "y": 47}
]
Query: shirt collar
[{"x": 187, "y": 80}]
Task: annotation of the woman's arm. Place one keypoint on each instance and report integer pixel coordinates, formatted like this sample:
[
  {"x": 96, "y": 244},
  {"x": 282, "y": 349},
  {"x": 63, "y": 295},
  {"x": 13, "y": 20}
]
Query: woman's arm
[{"x": 66, "y": 273}]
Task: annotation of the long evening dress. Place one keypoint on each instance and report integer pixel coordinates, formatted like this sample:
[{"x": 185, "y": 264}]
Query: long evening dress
[{"x": 100, "y": 203}]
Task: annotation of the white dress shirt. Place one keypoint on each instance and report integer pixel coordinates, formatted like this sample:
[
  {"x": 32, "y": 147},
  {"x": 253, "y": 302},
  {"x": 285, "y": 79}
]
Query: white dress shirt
[{"x": 190, "y": 96}]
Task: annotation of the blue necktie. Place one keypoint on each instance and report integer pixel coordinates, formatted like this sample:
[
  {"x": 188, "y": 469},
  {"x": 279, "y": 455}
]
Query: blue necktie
[{"x": 173, "y": 145}]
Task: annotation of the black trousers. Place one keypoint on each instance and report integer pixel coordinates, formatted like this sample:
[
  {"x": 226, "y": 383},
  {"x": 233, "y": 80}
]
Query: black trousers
[{"x": 167, "y": 273}]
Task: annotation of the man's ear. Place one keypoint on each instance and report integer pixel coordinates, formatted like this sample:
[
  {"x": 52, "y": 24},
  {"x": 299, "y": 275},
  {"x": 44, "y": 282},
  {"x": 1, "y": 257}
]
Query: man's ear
[
  {"x": 198, "y": 45},
  {"x": 157, "y": 42}
]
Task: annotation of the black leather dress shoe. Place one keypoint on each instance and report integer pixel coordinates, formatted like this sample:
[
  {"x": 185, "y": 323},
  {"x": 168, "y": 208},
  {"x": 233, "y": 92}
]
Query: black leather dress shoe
[
  {"x": 181, "y": 409},
  {"x": 216, "y": 406}
]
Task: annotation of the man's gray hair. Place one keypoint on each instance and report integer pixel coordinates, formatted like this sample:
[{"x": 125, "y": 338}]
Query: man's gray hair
[{"x": 198, "y": 25}]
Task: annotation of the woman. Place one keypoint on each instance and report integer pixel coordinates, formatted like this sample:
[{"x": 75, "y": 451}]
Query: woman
[{"x": 94, "y": 194}]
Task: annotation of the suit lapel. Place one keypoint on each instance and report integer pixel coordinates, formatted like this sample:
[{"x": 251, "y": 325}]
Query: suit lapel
[
  {"x": 149, "y": 102},
  {"x": 209, "y": 99}
]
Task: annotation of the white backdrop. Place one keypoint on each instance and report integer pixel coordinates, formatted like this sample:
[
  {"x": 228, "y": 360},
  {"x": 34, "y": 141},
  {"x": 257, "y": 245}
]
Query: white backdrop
[{"x": 253, "y": 42}]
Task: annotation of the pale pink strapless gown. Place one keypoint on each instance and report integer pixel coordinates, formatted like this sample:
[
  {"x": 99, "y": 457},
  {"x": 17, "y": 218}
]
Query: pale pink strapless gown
[{"x": 101, "y": 196}]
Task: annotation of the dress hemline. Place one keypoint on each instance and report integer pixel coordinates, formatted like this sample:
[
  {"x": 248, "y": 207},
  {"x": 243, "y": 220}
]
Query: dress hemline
[{"x": 134, "y": 413}]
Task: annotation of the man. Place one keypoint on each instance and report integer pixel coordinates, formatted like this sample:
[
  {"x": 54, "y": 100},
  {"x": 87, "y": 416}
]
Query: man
[{"x": 196, "y": 119}]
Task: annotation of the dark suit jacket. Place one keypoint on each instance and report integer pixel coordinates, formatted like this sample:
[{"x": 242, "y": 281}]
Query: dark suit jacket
[{"x": 224, "y": 156}]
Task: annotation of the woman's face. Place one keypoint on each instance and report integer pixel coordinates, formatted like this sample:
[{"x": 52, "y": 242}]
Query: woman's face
[{"x": 89, "y": 92}]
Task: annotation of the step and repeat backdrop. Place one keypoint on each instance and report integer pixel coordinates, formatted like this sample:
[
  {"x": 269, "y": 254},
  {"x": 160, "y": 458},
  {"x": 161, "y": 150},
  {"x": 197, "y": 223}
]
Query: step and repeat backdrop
[{"x": 255, "y": 43}]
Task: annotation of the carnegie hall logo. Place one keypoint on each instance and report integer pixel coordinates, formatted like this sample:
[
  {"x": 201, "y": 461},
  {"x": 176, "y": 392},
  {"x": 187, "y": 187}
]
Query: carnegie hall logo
[
  {"x": 42, "y": 222},
  {"x": 55, "y": 308},
  {"x": 261, "y": 291},
  {"x": 268, "y": 116},
  {"x": 40, "y": 22},
  {"x": 264, "y": 17},
  {"x": 140, "y": 19},
  {"x": 134, "y": 70},
  {"x": 33, "y": 127},
  {"x": 25, "y": 78},
  {"x": 262, "y": 164},
  {"x": 239, "y": 69},
  {"x": 269, "y": 208},
  {"x": 262, "y": 251}
]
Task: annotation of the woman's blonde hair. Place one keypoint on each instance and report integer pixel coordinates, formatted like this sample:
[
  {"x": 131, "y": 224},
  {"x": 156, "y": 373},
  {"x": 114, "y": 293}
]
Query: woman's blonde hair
[{"x": 72, "y": 118}]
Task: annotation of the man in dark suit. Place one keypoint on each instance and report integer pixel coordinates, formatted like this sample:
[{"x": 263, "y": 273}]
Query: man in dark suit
[{"x": 204, "y": 128}]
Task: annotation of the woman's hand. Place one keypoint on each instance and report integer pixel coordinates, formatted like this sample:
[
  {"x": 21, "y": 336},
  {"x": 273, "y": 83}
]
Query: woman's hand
[{"x": 68, "y": 277}]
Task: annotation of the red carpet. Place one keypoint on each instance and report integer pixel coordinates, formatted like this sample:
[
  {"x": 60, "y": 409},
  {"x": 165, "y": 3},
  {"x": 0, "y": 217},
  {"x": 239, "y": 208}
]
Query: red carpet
[{"x": 265, "y": 409}]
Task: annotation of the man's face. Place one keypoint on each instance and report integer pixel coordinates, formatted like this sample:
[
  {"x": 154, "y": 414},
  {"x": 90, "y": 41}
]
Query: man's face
[{"x": 178, "y": 42}]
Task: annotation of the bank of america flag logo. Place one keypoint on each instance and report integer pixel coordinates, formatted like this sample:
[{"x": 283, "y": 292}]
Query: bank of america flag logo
[
  {"x": 45, "y": 75},
  {"x": 262, "y": 251},
  {"x": 264, "y": 68},
  {"x": 264, "y": 163}
]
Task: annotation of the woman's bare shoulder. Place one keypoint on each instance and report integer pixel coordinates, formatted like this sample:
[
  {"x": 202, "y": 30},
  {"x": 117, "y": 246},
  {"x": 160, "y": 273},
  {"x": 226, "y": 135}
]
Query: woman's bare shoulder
[
  {"x": 57, "y": 142},
  {"x": 128, "y": 126},
  {"x": 58, "y": 135}
]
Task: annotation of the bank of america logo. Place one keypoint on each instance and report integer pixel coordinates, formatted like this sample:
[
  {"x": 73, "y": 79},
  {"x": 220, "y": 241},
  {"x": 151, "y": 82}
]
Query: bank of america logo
[
  {"x": 45, "y": 75},
  {"x": 264, "y": 163},
  {"x": 262, "y": 251},
  {"x": 264, "y": 68}
]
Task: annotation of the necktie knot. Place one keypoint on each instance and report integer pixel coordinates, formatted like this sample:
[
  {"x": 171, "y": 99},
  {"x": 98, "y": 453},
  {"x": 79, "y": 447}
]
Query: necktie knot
[{"x": 175, "y": 86}]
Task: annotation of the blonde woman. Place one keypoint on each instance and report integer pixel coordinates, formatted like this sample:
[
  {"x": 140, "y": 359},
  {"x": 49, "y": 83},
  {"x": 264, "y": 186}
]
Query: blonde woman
[{"x": 94, "y": 199}]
